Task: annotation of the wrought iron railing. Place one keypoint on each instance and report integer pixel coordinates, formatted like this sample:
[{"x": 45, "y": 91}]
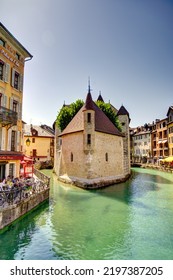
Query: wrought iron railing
[
  {"x": 45, "y": 179},
  {"x": 8, "y": 116},
  {"x": 22, "y": 190}
]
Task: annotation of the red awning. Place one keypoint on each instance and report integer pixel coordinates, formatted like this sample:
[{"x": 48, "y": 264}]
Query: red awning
[{"x": 25, "y": 158}]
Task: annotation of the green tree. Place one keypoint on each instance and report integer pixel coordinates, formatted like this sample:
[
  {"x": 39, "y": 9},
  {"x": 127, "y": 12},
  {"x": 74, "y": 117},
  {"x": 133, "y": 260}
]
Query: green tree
[
  {"x": 107, "y": 109},
  {"x": 66, "y": 114}
]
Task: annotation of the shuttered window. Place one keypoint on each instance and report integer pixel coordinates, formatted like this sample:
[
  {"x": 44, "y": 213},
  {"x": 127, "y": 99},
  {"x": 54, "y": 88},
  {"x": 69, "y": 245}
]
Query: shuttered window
[
  {"x": 17, "y": 80},
  {"x": 4, "y": 71}
]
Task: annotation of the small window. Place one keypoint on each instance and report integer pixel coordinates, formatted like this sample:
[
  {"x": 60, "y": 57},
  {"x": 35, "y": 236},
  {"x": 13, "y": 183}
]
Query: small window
[
  {"x": 71, "y": 157},
  {"x": 2, "y": 42},
  {"x": 16, "y": 80},
  {"x": 106, "y": 156},
  {"x": 15, "y": 105},
  {"x": 18, "y": 56},
  {"x": 1, "y": 70},
  {"x": 123, "y": 123},
  {"x": 89, "y": 139},
  {"x": 33, "y": 140},
  {"x": 89, "y": 117}
]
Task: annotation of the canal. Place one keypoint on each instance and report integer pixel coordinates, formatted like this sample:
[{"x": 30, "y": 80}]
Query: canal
[{"x": 132, "y": 220}]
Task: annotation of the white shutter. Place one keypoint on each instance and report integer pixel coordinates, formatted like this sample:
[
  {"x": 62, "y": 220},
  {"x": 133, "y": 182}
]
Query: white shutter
[
  {"x": 4, "y": 100},
  {"x": 0, "y": 138},
  {"x": 3, "y": 139},
  {"x": 18, "y": 141},
  {"x": 12, "y": 77},
  {"x": 11, "y": 103},
  {"x": 21, "y": 82},
  {"x": 9, "y": 140},
  {"x": 19, "y": 111},
  {"x": 7, "y": 72}
]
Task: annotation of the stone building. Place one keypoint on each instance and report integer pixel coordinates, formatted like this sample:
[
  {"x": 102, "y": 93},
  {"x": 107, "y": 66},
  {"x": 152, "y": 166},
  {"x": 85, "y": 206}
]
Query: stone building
[
  {"x": 141, "y": 141},
  {"x": 91, "y": 152}
]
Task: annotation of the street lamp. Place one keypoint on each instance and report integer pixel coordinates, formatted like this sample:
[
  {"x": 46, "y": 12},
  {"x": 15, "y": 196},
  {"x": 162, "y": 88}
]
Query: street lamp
[{"x": 28, "y": 141}]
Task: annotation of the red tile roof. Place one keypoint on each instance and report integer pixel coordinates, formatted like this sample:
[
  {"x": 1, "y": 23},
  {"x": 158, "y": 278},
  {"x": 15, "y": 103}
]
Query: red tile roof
[{"x": 102, "y": 122}]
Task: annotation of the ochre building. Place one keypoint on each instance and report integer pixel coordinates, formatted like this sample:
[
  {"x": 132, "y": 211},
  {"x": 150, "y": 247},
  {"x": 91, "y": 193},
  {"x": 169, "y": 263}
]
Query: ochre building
[
  {"x": 38, "y": 142},
  {"x": 170, "y": 130},
  {"x": 12, "y": 61}
]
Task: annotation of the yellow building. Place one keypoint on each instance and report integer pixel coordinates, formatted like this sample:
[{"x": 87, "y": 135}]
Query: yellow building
[
  {"x": 12, "y": 60},
  {"x": 38, "y": 142},
  {"x": 170, "y": 130}
]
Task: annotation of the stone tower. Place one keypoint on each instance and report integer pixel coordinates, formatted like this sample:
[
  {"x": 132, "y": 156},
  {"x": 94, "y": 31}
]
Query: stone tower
[
  {"x": 123, "y": 116},
  {"x": 89, "y": 133}
]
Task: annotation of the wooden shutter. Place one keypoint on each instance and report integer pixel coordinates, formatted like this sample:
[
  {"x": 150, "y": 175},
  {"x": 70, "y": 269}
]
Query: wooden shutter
[
  {"x": 19, "y": 111},
  {"x": 9, "y": 140},
  {"x": 11, "y": 103},
  {"x": 12, "y": 77},
  {"x": 21, "y": 82},
  {"x": 3, "y": 139},
  {"x": 4, "y": 100},
  {"x": 7, "y": 73},
  {"x": 18, "y": 141}
]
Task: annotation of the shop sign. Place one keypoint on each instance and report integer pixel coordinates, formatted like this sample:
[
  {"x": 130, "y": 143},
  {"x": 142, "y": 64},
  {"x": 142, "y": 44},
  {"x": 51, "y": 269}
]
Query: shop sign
[
  {"x": 9, "y": 57},
  {"x": 10, "y": 157}
]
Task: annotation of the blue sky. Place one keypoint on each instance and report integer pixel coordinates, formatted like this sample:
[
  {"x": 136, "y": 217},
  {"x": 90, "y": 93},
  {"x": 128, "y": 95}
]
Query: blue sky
[{"x": 125, "y": 46}]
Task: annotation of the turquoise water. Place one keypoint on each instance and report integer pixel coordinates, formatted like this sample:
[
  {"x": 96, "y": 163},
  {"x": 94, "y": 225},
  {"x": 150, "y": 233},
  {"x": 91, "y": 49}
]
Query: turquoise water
[{"x": 132, "y": 220}]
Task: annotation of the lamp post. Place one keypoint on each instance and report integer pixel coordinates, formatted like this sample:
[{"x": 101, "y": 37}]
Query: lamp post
[{"x": 28, "y": 141}]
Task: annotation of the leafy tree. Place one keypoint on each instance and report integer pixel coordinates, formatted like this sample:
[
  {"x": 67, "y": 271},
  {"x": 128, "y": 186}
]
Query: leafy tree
[
  {"x": 107, "y": 109},
  {"x": 66, "y": 114}
]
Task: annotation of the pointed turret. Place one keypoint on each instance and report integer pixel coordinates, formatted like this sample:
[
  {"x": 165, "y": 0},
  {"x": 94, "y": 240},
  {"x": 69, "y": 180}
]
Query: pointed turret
[
  {"x": 100, "y": 98},
  {"x": 122, "y": 111}
]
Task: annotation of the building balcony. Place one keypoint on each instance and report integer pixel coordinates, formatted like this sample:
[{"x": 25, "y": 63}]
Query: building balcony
[{"x": 7, "y": 117}]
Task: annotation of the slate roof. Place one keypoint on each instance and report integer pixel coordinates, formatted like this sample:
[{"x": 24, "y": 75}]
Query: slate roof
[
  {"x": 41, "y": 131},
  {"x": 170, "y": 109},
  {"x": 102, "y": 122},
  {"x": 100, "y": 98},
  {"x": 123, "y": 111}
]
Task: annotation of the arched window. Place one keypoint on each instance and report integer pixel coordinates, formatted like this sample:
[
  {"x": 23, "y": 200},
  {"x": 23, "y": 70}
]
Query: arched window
[
  {"x": 71, "y": 157},
  {"x": 106, "y": 156}
]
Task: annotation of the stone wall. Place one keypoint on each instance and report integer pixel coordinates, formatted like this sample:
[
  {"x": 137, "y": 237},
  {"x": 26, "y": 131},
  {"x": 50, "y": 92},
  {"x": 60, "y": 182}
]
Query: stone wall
[
  {"x": 124, "y": 120},
  {"x": 14, "y": 211},
  {"x": 101, "y": 159}
]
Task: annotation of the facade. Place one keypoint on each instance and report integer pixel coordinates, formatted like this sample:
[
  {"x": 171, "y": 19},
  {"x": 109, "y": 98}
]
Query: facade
[
  {"x": 38, "y": 142},
  {"x": 141, "y": 143},
  {"x": 12, "y": 61},
  {"x": 159, "y": 140},
  {"x": 91, "y": 152},
  {"x": 170, "y": 130}
]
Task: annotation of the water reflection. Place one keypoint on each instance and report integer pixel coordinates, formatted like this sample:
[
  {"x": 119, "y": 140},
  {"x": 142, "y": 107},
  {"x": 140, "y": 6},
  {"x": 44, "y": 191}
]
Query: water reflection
[
  {"x": 19, "y": 234},
  {"x": 132, "y": 220}
]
